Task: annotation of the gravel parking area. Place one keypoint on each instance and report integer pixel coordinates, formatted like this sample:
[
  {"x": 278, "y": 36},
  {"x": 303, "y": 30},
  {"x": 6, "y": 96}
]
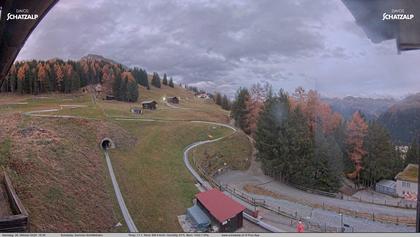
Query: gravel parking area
[{"x": 320, "y": 216}]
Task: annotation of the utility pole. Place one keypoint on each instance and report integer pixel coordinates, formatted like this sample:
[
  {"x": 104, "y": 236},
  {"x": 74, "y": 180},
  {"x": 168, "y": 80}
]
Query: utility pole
[{"x": 418, "y": 189}]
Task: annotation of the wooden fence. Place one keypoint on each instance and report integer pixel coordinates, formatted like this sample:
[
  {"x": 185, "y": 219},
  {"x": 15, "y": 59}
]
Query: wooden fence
[
  {"x": 255, "y": 202},
  {"x": 294, "y": 215},
  {"x": 19, "y": 222}
]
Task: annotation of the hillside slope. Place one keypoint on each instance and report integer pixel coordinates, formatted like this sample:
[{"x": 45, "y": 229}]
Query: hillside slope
[
  {"x": 403, "y": 119},
  {"x": 371, "y": 108},
  {"x": 59, "y": 172}
]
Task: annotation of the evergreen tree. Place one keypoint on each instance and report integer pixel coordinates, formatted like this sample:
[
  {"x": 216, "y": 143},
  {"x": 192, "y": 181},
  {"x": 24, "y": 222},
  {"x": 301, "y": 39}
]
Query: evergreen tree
[
  {"x": 123, "y": 90},
  {"x": 289, "y": 151},
  {"x": 171, "y": 83},
  {"x": 116, "y": 86},
  {"x": 327, "y": 163},
  {"x": 239, "y": 108},
  {"x": 75, "y": 82},
  {"x": 225, "y": 103},
  {"x": 133, "y": 91},
  {"x": 145, "y": 79},
  {"x": 270, "y": 141},
  {"x": 156, "y": 80},
  {"x": 380, "y": 161},
  {"x": 218, "y": 99},
  {"x": 165, "y": 80},
  {"x": 67, "y": 81},
  {"x": 413, "y": 153}
]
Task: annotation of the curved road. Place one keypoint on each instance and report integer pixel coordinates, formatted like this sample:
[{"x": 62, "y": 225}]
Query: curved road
[{"x": 206, "y": 185}]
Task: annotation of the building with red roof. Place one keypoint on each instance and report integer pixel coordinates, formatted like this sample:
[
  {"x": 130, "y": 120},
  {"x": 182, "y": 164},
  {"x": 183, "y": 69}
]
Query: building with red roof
[{"x": 223, "y": 210}]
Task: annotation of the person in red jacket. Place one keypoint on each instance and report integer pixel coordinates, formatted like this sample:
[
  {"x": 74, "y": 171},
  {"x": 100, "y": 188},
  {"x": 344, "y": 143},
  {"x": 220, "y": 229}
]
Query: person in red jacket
[{"x": 300, "y": 227}]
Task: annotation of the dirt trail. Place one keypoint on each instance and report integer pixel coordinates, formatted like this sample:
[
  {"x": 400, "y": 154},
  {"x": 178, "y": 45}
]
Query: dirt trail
[{"x": 255, "y": 167}]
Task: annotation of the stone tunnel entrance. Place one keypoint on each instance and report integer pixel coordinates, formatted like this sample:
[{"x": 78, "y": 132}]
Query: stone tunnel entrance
[{"x": 107, "y": 143}]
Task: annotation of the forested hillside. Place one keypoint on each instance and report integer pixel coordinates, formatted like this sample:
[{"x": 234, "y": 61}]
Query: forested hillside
[
  {"x": 370, "y": 107},
  {"x": 56, "y": 75},
  {"x": 301, "y": 140},
  {"x": 403, "y": 120}
]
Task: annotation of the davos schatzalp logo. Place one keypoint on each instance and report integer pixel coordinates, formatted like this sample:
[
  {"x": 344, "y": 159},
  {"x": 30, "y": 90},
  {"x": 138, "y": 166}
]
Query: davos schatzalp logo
[
  {"x": 21, "y": 14},
  {"x": 397, "y": 14}
]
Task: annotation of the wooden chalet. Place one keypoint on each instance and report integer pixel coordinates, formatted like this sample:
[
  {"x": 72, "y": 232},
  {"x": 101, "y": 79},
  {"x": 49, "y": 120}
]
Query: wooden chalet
[
  {"x": 149, "y": 104},
  {"x": 172, "y": 100}
]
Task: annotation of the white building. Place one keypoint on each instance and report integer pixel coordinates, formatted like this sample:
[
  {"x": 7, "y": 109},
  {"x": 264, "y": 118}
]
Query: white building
[
  {"x": 203, "y": 96},
  {"x": 402, "y": 150},
  {"x": 406, "y": 182}
]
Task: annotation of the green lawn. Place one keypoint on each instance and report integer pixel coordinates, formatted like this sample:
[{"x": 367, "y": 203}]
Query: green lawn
[
  {"x": 60, "y": 173},
  {"x": 25, "y": 103},
  {"x": 150, "y": 171},
  {"x": 154, "y": 181},
  {"x": 235, "y": 151},
  {"x": 190, "y": 107}
]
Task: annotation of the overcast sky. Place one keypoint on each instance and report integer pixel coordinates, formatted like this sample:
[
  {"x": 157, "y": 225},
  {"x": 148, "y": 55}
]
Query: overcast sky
[{"x": 222, "y": 45}]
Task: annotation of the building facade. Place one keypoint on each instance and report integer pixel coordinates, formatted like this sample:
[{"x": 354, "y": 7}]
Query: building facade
[
  {"x": 225, "y": 213},
  {"x": 406, "y": 181}
]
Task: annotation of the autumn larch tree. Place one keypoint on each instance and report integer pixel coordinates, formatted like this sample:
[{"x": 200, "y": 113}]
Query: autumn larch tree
[
  {"x": 356, "y": 132},
  {"x": 257, "y": 95}
]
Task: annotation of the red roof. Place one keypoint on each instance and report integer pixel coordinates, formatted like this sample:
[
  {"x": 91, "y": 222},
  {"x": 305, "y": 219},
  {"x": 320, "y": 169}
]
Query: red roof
[{"x": 219, "y": 205}]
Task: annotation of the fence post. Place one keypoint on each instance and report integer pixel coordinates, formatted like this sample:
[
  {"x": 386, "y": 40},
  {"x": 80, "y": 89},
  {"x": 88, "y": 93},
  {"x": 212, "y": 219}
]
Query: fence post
[
  {"x": 397, "y": 220},
  {"x": 385, "y": 201},
  {"x": 278, "y": 210},
  {"x": 296, "y": 214},
  {"x": 373, "y": 216},
  {"x": 323, "y": 205}
]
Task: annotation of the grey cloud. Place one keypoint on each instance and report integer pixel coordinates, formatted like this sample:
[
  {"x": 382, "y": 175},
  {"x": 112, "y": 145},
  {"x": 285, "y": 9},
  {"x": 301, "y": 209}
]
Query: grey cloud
[{"x": 221, "y": 45}]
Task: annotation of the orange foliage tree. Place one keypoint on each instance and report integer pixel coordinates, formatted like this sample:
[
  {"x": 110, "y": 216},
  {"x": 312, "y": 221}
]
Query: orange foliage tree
[
  {"x": 254, "y": 104},
  {"x": 59, "y": 75},
  {"x": 319, "y": 113},
  {"x": 356, "y": 132}
]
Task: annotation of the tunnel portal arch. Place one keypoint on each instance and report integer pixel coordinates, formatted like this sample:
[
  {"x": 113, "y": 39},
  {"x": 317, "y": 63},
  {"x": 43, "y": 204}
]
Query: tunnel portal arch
[{"x": 107, "y": 143}]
